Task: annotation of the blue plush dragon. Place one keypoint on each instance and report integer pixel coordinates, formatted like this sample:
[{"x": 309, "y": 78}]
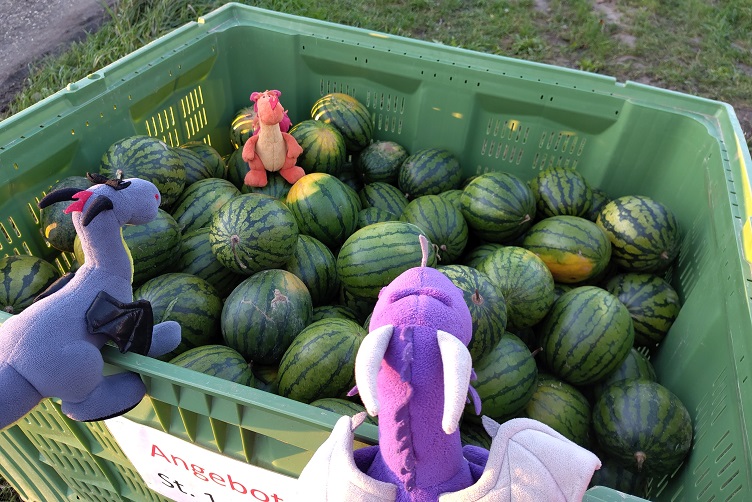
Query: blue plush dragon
[{"x": 52, "y": 348}]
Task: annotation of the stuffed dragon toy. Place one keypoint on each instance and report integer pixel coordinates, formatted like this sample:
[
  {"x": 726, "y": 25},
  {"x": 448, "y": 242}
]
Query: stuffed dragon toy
[
  {"x": 413, "y": 370},
  {"x": 52, "y": 348}
]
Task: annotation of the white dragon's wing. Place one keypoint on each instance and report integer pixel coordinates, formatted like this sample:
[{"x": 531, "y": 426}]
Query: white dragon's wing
[{"x": 530, "y": 462}]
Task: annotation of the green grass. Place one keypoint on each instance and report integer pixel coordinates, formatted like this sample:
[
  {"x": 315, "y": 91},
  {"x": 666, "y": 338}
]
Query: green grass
[{"x": 7, "y": 494}]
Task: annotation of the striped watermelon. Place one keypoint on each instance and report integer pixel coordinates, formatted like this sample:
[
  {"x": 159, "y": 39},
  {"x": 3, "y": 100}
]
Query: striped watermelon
[
  {"x": 525, "y": 282},
  {"x": 561, "y": 191},
  {"x": 454, "y": 196},
  {"x": 381, "y": 161},
  {"x": 314, "y": 264},
  {"x": 253, "y": 232},
  {"x": 147, "y": 158},
  {"x": 375, "y": 255},
  {"x": 323, "y": 147},
  {"x": 188, "y": 300},
  {"x": 653, "y": 304},
  {"x": 634, "y": 367},
  {"x": 327, "y": 311},
  {"x": 266, "y": 377},
  {"x": 195, "y": 256},
  {"x": 370, "y": 215},
  {"x": 383, "y": 196},
  {"x": 442, "y": 223},
  {"x": 324, "y": 208},
  {"x": 600, "y": 199},
  {"x": 573, "y": 248},
  {"x": 429, "y": 172},
  {"x": 477, "y": 254},
  {"x": 644, "y": 233},
  {"x": 474, "y": 434},
  {"x": 343, "y": 407},
  {"x": 562, "y": 407},
  {"x": 498, "y": 206},
  {"x": 219, "y": 361},
  {"x": 487, "y": 306},
  {"x": 644, "y": 426},
  {"x": 507, "y": 379},
  {"x": 198, "y": 203},
  {"x": 237, "y": 169},
  {"x": 57, "y": 227},
  {"x": 587, "y": 334},
  {"x": 264, "y": 313},
  {"x": 152, "y": 246},
  {"x": 560, "y": 289},
  {"x": 241, "y": 127},
  {"x": 276, "y": 186},
  {"x": 358, "y": 304},
  {"x": 350, "y": 177},
  {"x": 351, "y": 118},
  {"x": 615, "y": 476},
  {"x": 320, "y": 362},
  {"x": 214, "y": 165},
  {"x": 23, "y": 278},
  {"x": 195, "y": 168}
]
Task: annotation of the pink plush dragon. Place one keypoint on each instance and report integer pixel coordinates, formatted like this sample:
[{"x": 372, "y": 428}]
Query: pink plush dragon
[{"x": 270, "y": 149}]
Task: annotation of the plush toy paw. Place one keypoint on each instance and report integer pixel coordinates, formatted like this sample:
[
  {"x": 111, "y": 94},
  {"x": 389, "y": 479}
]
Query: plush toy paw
[
  {"x": 115, "y": 395},
  {"x": 255, "y": 178},
  {"x": 166, "y": 336},
  {"x": 292, "y": 174}
]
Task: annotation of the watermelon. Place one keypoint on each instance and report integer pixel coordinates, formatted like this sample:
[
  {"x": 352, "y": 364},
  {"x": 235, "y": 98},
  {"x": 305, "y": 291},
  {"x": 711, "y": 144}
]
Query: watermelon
[
  {"x": 323, "y": 147},
  {"x": 474, "y": 434},
  {"x": 276, "y": 186},
  {"x": 525, "y": 282},
  {"x": 507, "y": 377},
  {"x": 573, "y": 248},
  {"x": 477, "y": 254},
  {"x": 454, "y": 196},
  {"x": 651, "y": 301},
  {"x": 342, "y": 407},
  {"x": 498, "y": 206},
  {"x": 327, "y": 311},
  {"x": 264, "y": 313},
  {"x": 219, "y": 361},
  {"x": 57, "y": 227},
  {"x": 320, "y": 362},
  {"x": 195, "y": 168},
  {"x": 375, "y": 255},
  {"x": 152, "y": 246},
  {"x": 188, "y": 300},
  {"x": 429, "y": 172},
  {"x": 237, "y": 168},
  {"x": 586, "y": 335},
  {"x": 562, "y": 407},
  {"x": 644, "y": 426},
  {"x": 324, "y": 208},
  {"x": 615, "y": 476},
  {"x": 350, "y": 177},
  {"x": 560, "y": 289},
  {"x": 561, "y": 191},
  {"x": 214, "y": 165},
  {"x": 241, "y": 127},
  {"x": 362, "y": 307},
  {"x": 487, "y": 306},
  {"x": 370, "y": 215},
  {"x": 22, "y": 279},
  {"x": 147, "y": 158},
  {"x": 644, "y": 233},
  {"x": 600, "y": 199},
  {"x": 634, "y": 367},
  {"x": 314, "y": 264},
  {"x": 198, "y": 203},
  {"x": 351, "y": 118},
  {"x": 266, "y": 377},
  {"x": 381, "y": 161},
  {"x": 253, "y": 232},
  {"x": 383, "y": 196},
  {"x": 194, "y": 256},
  {"x": 442, "y": 223}
]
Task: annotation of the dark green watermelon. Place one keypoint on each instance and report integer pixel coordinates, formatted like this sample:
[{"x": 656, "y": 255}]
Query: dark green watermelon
[
  {"x": 370, "y": 215},
  {"x": 383, "y": 196},
  {"x": 323, "y": 147},
  {"x": 197, "y": 204},
  {"x": 195, "y": 257},
  {"x": 219, "y": 361},
  {"x": 314, "y": 264},
  {"x": 381, "y": 161},
  {"x": 340, "y": 311},
  {"x": 214, "y": 165},
  {"x": 188, "y": 300},
  {"x": 636, "y": 366},
  {"x": 429, "y": 172},
  {"x": 343, "y": 407},
  {"x": 561, "y": 191},
  {"x": 264, "y": 313},
  {"x": 23, "y": 278},
  {"x": 351, "y": 118},
  {"x": 442, "y": 223},
  {"x": 562, "y": 407}
]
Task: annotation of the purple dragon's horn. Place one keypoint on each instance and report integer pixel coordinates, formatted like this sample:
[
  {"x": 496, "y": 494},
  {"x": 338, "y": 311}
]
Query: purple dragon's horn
[
  {"x": 458, "y": 365},
  {"x": 424, "y": 249},
  {"x": 367, "y": 365}
]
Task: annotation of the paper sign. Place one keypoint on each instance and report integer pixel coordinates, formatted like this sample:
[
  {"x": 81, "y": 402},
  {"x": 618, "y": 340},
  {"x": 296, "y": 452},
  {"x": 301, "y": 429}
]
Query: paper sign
[{"x": 185, "y": 472}]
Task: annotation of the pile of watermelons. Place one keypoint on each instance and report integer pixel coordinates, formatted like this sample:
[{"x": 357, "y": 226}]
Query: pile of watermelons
[{"x": 273, "y": 286}]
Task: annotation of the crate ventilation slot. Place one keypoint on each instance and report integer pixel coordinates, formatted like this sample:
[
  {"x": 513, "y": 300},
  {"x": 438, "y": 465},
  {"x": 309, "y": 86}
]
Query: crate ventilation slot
[
  {"x": 191, "y": 115},
  {"x": 386, "y": 111},
  {"x": 329, "y": 86}
]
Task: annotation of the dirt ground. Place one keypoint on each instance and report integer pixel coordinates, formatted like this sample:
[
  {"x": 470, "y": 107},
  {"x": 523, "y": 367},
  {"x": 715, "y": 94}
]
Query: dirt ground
[{"x": 31, "y": 29}]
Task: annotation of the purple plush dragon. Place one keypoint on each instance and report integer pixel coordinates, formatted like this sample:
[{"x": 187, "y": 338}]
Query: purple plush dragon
[{"x": 413, "y": 370}]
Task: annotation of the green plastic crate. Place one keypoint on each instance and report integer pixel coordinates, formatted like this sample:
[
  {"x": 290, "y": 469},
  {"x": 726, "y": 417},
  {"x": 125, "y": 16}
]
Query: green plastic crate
[{"x": 495, "y": 113}]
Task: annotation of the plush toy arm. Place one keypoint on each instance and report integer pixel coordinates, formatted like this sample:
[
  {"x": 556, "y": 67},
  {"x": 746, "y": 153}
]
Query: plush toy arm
[
  {"x": 249, "y": 148},
  {"x": 129, "y": 325},
  {"x": 293, "y": 148}
]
